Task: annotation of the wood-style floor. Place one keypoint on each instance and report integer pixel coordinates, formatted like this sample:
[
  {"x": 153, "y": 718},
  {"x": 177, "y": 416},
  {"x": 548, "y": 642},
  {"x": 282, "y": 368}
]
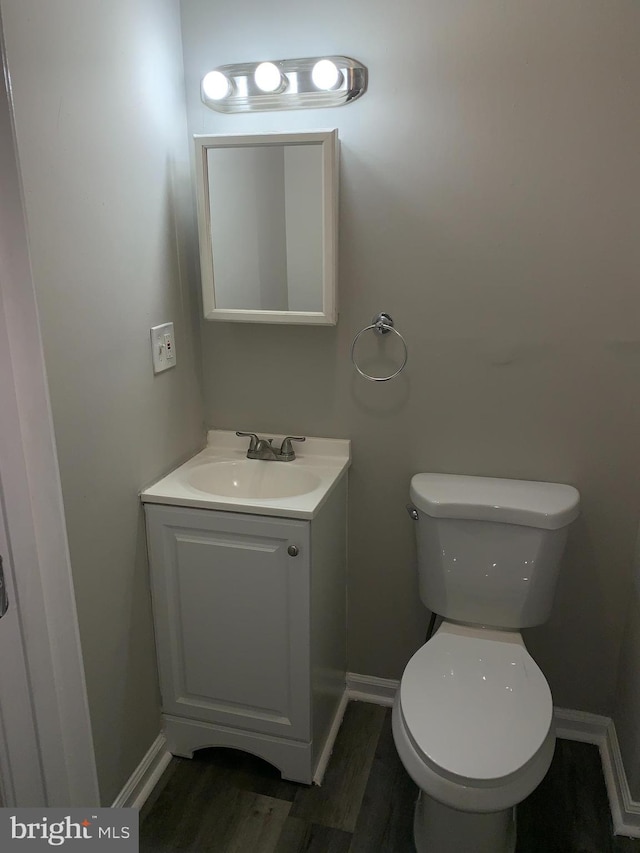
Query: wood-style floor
[{"x": 225, "y": 801}]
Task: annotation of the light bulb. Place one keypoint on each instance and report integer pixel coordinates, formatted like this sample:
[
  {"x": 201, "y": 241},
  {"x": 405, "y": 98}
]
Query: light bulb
[
  {"x": 268, "y": 77},
  {"x": 216, "y": 85},
  {"x": 326, "y": 75}
]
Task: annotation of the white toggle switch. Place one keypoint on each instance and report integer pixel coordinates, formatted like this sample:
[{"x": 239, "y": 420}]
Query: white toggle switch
[{"x": 163, "y": 347}]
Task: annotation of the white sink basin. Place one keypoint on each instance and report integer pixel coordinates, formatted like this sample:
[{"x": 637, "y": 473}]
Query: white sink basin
[
  {"x": 252, "y": 479},
  {"x": 221, "y": 477}
]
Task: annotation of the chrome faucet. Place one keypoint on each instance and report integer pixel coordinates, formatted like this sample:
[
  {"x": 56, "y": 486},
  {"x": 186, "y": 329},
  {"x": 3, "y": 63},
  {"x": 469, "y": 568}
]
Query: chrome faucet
[{"x": 261, "y": 448}]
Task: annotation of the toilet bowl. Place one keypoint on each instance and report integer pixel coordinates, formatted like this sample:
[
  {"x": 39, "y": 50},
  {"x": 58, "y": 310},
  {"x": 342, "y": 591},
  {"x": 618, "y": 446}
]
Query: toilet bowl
[
  {"x": 476, "y": 718},
  {"x": 473, "y": 726},
  {"x": 473, "y": 716}
]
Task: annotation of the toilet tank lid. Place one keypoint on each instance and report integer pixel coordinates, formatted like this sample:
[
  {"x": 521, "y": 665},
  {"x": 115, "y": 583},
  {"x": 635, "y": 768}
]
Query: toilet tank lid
[{"x": 544, "y": 505}]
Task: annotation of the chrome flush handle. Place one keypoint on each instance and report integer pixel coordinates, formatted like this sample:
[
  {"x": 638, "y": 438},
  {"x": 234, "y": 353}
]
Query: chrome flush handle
[{"x": 413, "y": 512}]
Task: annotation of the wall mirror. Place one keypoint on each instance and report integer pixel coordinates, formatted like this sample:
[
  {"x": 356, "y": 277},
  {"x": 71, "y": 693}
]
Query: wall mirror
[{"x": 267, "y": 224}]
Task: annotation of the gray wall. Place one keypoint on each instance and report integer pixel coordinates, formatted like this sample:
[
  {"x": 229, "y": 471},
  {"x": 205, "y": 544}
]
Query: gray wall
[
  {"x": 102, "y": 145},
  {"x": 489, "y": 202}
]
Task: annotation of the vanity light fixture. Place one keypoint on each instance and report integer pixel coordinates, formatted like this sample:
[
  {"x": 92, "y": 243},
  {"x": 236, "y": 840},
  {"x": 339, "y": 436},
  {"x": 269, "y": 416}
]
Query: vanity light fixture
[{"x": 285, "y": 84}]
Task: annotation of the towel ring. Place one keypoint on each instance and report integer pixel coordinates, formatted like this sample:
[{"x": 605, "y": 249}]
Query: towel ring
[{"x": 381, "y": 324}]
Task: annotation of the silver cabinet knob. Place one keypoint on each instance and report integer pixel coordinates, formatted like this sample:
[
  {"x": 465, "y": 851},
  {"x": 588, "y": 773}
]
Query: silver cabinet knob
[{"x": 293, "y": 550}]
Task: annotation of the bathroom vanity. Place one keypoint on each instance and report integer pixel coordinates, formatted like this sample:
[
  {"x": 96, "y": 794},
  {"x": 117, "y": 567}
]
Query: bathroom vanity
[{"x": 248, "y": 563}]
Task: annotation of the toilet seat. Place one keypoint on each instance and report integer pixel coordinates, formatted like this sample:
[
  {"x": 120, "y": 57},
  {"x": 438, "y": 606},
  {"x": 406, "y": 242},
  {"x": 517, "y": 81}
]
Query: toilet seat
[{"x": 475, "y": 706}]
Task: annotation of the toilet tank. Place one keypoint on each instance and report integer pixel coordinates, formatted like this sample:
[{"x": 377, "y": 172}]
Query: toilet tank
[{"x": 489, "y": 549}]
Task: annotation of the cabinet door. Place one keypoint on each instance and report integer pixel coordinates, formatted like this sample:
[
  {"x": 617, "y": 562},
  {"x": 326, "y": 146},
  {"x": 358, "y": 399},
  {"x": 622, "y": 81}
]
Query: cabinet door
[{"x": 231, "y": 610}]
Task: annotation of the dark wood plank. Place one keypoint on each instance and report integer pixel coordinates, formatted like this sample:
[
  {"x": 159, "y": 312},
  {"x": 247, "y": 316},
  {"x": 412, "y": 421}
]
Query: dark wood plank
[
  {"x": 159, "y": 788},
  {"x": 241, "y": 821},
  {"x": 591, "y": 826},
  {"x": 208, "y": 816},
  {"x": 337, "y": 802},
  {"x": 385, "y": 823},
  {"x": 626, "y": 845},
  {"x": 300, "y": 836},
  {"x": 569, "y": 811},
  {"x": 173, "y": 822},
  {"x": 542, "y": 822},
  {"x": 246, "y": 772},
  {"x": 224, "y": 801}
]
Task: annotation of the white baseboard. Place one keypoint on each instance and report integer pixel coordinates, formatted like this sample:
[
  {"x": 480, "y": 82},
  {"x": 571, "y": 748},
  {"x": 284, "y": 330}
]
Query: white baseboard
[
  {"x": 625, "y": 811},
  {"x": 581, "y": 726},
  {"x": 369, "y": 688},
  {"x": 327, "y": 749},
  {"x": 145, "y": 777},
  {"x": 570, "y": 725}
]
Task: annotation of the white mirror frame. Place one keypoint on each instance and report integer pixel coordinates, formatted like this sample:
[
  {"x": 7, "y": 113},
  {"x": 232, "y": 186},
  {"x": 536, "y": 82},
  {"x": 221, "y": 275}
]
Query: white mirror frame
[{"x": 329, "y": 141}]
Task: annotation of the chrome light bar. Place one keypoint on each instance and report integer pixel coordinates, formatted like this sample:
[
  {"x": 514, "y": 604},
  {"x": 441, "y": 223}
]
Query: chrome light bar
[{"x": 284, "y": 84}]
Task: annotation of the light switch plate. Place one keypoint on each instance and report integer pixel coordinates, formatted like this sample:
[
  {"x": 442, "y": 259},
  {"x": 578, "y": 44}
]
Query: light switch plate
[{"x": 163, "y": 347}]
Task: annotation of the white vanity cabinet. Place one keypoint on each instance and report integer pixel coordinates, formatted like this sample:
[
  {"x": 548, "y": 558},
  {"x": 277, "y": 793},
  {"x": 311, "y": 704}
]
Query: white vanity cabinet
[{"x": 249, "y": 615}]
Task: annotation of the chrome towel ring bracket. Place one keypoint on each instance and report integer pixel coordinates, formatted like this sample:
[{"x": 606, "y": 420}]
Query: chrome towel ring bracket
[{"x": 381, "y": 324}]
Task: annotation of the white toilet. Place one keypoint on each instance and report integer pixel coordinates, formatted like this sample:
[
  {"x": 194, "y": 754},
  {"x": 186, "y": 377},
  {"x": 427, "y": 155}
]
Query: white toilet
[{"x": 473, "y": 718}]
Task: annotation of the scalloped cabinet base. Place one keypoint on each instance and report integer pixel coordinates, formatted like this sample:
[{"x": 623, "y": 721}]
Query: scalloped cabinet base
[{"x": 293, "y": 759}]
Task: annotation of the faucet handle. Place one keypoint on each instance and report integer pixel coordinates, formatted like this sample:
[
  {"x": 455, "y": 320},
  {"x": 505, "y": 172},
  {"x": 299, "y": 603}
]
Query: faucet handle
[
  {"x": 254, "y": 439},
  {"x": 287, "y": 453}
]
